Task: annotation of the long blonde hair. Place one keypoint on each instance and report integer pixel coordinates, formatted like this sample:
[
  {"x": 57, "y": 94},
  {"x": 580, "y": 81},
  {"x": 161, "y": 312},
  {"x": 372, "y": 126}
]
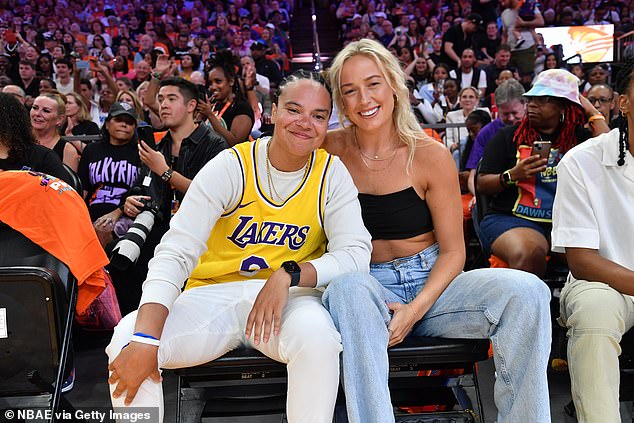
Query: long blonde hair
[
  {"x": 83, "y": 114},
  {"x": 408, "y": 129}
]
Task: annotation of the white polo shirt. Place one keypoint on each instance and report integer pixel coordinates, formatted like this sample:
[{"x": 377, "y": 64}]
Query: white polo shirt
[{"x": 594, "y": 200}]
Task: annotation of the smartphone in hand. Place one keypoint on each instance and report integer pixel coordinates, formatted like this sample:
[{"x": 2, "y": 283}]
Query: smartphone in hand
[
  {"x": 146, "y": 134},
  {"x": 541, "y": 148},
  {"x": 82, "y": 64},
  {"x": 202, "y": 93}
]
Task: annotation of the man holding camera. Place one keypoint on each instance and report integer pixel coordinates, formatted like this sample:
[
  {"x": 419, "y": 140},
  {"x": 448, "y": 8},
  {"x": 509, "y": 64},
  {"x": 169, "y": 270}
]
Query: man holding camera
[{"x": 170, "y": 168}]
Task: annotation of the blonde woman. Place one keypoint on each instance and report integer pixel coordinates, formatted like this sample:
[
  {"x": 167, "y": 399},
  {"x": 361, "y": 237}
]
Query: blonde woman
[
  {"x": 78, "y": 119},
  {"x": 47, "y": 114},
  {"x": 410, "y": 203}
]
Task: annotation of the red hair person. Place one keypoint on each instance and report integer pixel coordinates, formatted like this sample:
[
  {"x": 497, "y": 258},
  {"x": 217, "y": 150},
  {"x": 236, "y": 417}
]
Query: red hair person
[{"x": 520, "y": 181}]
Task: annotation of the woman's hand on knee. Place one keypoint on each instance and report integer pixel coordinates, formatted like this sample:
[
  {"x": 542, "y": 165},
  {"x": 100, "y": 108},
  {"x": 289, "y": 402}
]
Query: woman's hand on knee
[
  {"x": 404, "y": 317},
  {"x": 265, "y": 318},
  {"x": 133, "y": 365}
]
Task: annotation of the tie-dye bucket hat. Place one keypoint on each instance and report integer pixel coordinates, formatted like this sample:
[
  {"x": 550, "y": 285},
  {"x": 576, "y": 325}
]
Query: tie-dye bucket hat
[{"x": 556, "y": 83}]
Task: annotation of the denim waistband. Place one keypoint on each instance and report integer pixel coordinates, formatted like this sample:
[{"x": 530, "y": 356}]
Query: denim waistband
[{"x": 422, "y": 258}]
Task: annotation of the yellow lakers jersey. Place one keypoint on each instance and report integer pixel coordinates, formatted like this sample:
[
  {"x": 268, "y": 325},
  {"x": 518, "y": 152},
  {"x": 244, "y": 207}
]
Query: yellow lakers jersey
[{"x": 254, "y": 238}]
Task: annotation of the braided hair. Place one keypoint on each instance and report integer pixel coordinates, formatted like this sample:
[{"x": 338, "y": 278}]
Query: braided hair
[
  {"x": 624, "y": 79},
  {"x": 573, "y": 117}
]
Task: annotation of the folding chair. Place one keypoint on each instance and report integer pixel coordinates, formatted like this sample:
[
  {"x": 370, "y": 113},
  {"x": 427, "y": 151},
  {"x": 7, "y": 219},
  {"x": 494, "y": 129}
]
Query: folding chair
[{"x": 37, "y": 302}]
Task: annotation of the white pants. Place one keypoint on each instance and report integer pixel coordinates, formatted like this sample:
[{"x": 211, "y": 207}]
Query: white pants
[
  {"x": 596, "y": 316},
  {"x": 206, "y": 322}
]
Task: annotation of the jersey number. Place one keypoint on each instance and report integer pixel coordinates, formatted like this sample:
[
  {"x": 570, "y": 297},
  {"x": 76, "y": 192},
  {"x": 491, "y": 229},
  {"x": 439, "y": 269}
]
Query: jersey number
[{"x": 252, "y": 265}]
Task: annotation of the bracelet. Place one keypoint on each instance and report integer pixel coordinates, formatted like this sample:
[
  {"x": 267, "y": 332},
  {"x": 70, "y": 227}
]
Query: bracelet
[
  {"x": 145, "y": 335},
  {"x": 144, "y": 338},
  {"x": 598, "y": 116}
]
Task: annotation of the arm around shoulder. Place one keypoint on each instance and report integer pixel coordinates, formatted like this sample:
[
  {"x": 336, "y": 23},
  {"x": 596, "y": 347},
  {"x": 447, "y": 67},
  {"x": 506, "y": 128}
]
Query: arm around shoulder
[{"x": 349, "y": 243}]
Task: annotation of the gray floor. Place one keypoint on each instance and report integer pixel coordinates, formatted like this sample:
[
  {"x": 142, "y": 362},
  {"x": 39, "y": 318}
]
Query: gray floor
[{"x": 91, "y": 390}]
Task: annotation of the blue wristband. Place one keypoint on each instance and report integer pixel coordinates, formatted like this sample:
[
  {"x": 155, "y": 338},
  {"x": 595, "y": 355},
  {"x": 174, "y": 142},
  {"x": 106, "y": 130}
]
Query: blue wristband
[{"x": 144, "y": 335}]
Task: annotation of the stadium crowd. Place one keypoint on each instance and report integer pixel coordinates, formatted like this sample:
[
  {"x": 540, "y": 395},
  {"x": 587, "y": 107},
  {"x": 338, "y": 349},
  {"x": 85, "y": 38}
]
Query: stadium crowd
[{"x": 166, "y": 87}]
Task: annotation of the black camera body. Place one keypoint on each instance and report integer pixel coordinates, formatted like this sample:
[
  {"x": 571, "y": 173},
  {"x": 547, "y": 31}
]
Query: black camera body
[{"x": 150, "y": 205}]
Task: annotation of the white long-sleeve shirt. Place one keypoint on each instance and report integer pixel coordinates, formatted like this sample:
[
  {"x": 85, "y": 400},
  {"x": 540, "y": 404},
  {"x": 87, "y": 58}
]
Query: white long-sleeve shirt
[{"x": 218, "y": 188}]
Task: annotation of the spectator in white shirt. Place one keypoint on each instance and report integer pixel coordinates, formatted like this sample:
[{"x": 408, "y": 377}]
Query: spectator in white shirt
[{"x": 469, "y": 75}]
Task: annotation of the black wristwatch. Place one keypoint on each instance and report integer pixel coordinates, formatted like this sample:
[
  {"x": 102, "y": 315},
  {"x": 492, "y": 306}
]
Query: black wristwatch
[
  {"x": 506, "y": 177},
  {"x": 293, "y": 269},
  {"x": 167, "y": 175}
]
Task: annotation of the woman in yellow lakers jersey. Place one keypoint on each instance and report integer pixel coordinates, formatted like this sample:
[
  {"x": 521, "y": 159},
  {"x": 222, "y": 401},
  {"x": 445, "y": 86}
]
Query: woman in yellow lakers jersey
[
  {"x": 263, "y": 225},
  {"x": 410, "y": 201}
]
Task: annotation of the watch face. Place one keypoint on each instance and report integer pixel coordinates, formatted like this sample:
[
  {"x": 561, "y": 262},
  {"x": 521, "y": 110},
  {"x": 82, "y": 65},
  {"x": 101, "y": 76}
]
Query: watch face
[{"x": 291, "y": 266}]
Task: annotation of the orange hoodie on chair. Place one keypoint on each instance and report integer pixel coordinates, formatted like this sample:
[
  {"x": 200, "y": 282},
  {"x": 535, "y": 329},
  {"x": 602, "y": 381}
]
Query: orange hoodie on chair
[{"x": 51, "y": 214}]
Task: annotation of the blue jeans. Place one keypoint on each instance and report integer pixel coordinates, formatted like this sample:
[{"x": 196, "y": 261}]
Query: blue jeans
[{"x": 510, "y": 307}]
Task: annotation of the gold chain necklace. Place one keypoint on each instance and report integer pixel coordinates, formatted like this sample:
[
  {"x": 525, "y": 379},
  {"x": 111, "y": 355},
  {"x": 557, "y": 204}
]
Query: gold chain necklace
[
  {"x": 272, "y": 189},
  {"x": 376, "y": 158}
]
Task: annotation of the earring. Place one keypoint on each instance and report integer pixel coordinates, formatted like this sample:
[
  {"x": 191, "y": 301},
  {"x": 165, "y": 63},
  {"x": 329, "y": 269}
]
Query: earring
[{"x": 562, "y": 118}]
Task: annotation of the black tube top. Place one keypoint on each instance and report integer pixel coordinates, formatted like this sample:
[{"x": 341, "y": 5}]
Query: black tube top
[{"x": 398, "y": 215}]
